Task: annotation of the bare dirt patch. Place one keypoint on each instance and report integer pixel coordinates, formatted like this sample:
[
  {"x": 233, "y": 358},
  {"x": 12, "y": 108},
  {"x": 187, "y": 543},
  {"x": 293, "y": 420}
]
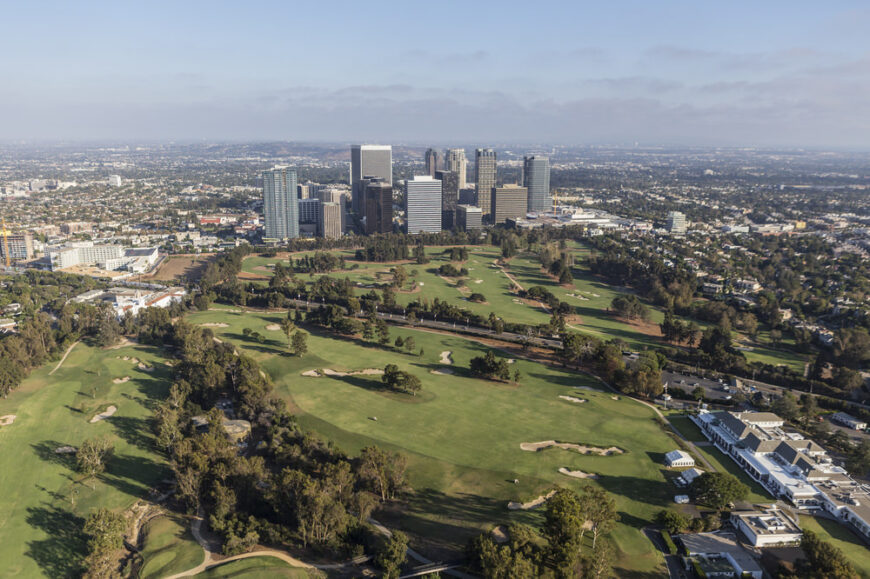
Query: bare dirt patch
[
  {"x": 581, "y": 448},
  {"x": 121, "y": 380},
  {"x": 108, "y": 412},
  {"x": 7, "y": 420},
  {"x": 533, "y": 504},
  {"x": 181, "y": 266},
  {"x": 577, "y": 473},
  {"x": 573, "y": 399}
]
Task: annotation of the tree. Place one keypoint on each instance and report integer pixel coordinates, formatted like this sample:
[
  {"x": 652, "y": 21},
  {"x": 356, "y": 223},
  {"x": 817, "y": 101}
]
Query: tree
[
  {"x": 600, "y": 512},
  {"x": 698, "y": 393},
  {"x": 786, "y": 406},
  {"x": 717, "y": 489},
  {"x": 400, "y": 381},
  {"x": 400, "y": 276},
  {"x": 299, "y": 344},
  {"x": 383, "y": 332},
  {"x": 775, "y": 337},
  {"x": 822, "y": 560},
  {"x": 382, "y": 472},
  {"x": 287, "y": 326},
  {"x": 410, "y": 345},
  {"x": 104, "y": 529},
  {"x": 92, "y": 456},
  {"x": 672, "y": 521},
  {"x": 392, "y": 553},
  {"x": 517, "y": 375},
  {"x": 600, "y": 564},
  {"x": 564, "y": 525},
  {"x": 490, "y": 367}
]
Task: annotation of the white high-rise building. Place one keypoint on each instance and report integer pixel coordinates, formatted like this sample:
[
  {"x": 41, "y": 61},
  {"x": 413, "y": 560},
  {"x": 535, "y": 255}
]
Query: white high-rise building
[
  {"x": 368, "y": 161},
  {"x": 280, "y": 203},
  {"x": 454, "y": 160},
  {"x": 423, "y": 204},
  {"x": 676, "y": 223}
]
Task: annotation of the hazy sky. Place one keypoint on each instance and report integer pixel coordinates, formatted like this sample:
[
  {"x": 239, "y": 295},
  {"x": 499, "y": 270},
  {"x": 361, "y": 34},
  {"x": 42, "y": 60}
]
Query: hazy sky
[{"x": 767, "y": 73}]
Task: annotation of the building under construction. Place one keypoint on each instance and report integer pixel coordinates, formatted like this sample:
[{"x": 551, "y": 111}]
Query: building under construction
[{"x": 15, "y": 246}]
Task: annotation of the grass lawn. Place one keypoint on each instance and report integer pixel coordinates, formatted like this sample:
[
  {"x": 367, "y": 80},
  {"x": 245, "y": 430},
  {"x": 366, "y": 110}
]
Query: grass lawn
[
  {"x": 169, "y": 547},
  {"x": 462, "y": 435},
  {"x": 723, "y": 463},
  {"x": 687, "y": 428},
  {"x": 833, "y": 532},
  {"x": 265, "y": 567},
  {"x": 43, "y": 504}
]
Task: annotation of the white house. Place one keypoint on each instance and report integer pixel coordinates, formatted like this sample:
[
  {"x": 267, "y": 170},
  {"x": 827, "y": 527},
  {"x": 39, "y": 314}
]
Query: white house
[{"x": 679, "y": 458}]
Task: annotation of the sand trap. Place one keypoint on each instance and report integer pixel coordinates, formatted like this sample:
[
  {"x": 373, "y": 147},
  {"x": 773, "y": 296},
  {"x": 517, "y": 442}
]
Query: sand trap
[
  {"x": 7, "y": 420},
  {"x": 582, "y": 449},
  {"x": 478, "y": 281},
  {"x": 311, "y": 373},
  {"x": 577, "y": 473},
  {"x": 103, "y": 415},
  {"x": 120, "y": 380},
  {"x": 586, "y": 388},
  {"x": 134, "y": 361},
  {"x": 446, "y": 357},
  {"x": 510, "y": 360},
  {"x": 331, "y": 372},
  {"x": 65, "y": 450},
  {"x": 145, "y": 368},
  {"x": 215, "y": 325},
  {"x": 499, "y": 534},
  {"x": 574, "y": 400},
  {"x": 126, "y": 358},
  {"x": 533, "y": 504},
  {"x": 614, "y": 397},
  {"x": 273, "y": 327},
  {"x": 442, "y": 372}
]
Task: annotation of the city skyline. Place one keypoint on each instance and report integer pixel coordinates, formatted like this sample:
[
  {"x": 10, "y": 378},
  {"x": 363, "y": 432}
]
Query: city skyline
[{"x": 776, "y": 74}]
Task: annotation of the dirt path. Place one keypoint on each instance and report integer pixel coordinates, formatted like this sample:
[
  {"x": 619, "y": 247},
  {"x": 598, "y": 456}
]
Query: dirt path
[{"x": 62, "y": 360}]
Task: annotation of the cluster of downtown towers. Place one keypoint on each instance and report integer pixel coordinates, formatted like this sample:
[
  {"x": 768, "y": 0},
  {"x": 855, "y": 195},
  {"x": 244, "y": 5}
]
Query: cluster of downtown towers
[{"x": 441, "y": 199}]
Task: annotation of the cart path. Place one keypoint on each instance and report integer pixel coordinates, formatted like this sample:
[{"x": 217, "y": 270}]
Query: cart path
[{"x": 62, "y": 360}]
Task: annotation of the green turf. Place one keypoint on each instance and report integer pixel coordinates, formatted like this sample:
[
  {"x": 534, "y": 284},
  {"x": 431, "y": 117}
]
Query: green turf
[
  {"x": 168, "y": 547},
  {"x": 462, "y": 435},
  {"x": 687, "y": 428},
  {"x": 259, "y": 567},
  {"x": 40, "y": 528},
  {"x": 833, "y": 532}
]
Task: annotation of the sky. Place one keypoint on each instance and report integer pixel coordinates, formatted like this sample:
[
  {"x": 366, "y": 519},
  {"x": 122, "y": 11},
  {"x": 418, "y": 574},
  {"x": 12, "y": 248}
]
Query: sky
[{"x": 699, "y": 73}]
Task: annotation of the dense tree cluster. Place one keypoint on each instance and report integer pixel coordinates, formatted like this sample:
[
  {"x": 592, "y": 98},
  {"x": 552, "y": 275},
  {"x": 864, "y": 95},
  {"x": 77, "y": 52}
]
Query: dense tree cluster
[
  {"x": 450, "y": 270},
  {"x": 630, "y": 308},
  {"x": 490, "y": 367}
]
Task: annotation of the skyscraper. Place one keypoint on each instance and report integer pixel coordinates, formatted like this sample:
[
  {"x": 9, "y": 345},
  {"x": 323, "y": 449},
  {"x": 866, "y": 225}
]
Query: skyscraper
[
  {"x": 280, "y": 205},
  {"x": 468, "y": 217},
  {"x": 431, "y": 162},
  {"x": 374, "y": 160},
  {"x": 536, "y": 178},
  {"x": 484, "y": 177},
  {"x": 378, "y": 206},
  {"x": 423, "y": 204},
  {"x": 331, "y": 220},
  {"x": 455, "y": 161},
  {"x": 449, "y": 197},
  {"x": 509, "y": 202}
]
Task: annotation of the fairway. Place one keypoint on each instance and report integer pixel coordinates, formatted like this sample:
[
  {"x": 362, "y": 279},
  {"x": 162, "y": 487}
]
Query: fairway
[
  {"x": 835, "y": 533},
  {"x": 265, "y": 567},
  {"x": 168, "y": 547},
  {"x": 43, "y": 506},
  {"x": 462, "y": 435}
]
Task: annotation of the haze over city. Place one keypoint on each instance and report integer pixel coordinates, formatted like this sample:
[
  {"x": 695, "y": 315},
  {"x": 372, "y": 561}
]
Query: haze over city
[{"x": 793, "y": 74}]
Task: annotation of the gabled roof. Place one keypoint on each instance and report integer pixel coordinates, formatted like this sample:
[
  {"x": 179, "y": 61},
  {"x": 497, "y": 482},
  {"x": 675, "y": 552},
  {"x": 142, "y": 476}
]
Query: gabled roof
[{"x": 757, "y": 444}]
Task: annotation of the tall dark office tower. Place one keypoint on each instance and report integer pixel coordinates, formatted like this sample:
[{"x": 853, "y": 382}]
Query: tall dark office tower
[
  {"x": 449, "y": 197},
  {"x": 280, "y": 204},
  {"x": 432, "y": 164},
  {"x": 484, "y": 177},
  {"x": 378, "y": 206},
  {"x": 509, "y": 202},
  {"x": 454, "y": 160},
  {"x": 536, "y": 178},
  {"x": 374, "y": 160}
]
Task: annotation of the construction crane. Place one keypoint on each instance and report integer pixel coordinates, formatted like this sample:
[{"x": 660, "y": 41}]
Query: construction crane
[{"x": 5, "y": 232}]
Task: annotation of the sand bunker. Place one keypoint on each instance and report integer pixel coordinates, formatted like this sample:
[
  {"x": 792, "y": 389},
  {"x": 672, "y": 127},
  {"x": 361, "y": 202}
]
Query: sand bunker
[
  {"x": 7, "y": 420},
  {"x": 582, "y": 449},
  {"x": 106, "y": 414},
  {"x": 121, "y": 380},
  {"x": 577, "y": 473},
  {"x": 499, "y": 534},
  {"x": 145, "y": 367},
  {"x": 134, "y": 361},
  {"x": 335, "y": 373},
  {"x": 614, "y": 397},
  {"x": 446, "y": 357},
  {"x": 585, "y": 388},
  {"x": 533, "y": 504},
  {"x": 574, "y": 400},
  {"x": 442, "y": 372},
  {"x": 478, "y": 281},
  {"x": 510, "y": 360},
  {"x": 65, "y": 450},
  {"x": 273, "y": 327},
  {"x": 215, "y": 325}
]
